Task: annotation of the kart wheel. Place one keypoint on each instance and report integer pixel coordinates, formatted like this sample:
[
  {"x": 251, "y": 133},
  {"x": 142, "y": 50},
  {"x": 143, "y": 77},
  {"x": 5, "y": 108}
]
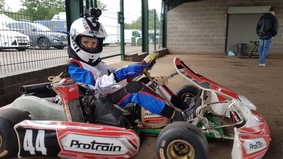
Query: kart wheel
[
  {"x": 182, "y": 140},
  {"x": 8, "y": 138},
  {"x": 187, "y": 93}
]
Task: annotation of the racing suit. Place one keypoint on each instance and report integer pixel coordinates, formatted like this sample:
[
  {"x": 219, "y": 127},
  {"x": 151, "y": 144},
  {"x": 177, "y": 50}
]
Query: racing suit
[{"x": 103, "y": 80}]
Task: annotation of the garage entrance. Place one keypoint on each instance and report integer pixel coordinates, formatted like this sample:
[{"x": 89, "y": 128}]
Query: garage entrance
[{"x": 241, "y": 26}]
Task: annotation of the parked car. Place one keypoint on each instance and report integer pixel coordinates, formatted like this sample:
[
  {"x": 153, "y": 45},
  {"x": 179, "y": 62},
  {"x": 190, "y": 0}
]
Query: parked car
[
  {"x": 54, "y": 25},
  {"x": 40, "y": 35},
  {"x": 13, "y": 40}
]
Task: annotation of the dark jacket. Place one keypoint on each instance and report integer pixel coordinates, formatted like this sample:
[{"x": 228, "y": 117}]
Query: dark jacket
[{"x": 267, "y": 26}]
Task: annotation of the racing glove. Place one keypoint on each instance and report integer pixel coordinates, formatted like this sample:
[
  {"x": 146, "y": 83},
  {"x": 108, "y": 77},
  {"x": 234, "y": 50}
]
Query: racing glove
[{"x": 129, "y": 71}]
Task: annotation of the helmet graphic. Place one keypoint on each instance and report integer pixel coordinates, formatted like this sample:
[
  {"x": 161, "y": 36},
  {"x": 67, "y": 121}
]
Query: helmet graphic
[{"x": 87, "y": 27}]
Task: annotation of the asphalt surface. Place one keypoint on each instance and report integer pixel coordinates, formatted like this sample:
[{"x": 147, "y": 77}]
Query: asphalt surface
[{"x": 261, "y": 85}]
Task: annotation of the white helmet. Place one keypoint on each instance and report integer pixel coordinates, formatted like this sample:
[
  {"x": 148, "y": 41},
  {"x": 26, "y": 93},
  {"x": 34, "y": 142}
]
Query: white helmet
[{"x": 90, "y": 28}]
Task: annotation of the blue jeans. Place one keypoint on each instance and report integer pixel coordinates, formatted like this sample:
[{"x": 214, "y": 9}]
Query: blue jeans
[{"x": 263, "y": 49}]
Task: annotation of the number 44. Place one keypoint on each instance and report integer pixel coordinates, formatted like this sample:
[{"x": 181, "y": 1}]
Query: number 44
[{"x": 39, "y": 142}]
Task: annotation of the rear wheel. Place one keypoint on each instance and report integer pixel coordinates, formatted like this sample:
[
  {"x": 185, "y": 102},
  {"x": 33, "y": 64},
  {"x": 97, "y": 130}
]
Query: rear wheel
[
  {"x": 182, "y": 140},
  {"x": 8, "y": 139},
  {"x": 43, "y": 43}
]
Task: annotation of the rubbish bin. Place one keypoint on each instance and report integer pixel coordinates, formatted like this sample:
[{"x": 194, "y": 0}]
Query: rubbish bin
[
  {"x": 133, "y": 41},
  {"x": 242, "y": 49},
  {"x": 139, "y": 42}
]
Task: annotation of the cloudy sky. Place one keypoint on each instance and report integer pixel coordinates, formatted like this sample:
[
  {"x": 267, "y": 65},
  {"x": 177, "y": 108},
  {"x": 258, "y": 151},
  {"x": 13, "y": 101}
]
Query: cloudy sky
[{"x": 131, "y": 6}]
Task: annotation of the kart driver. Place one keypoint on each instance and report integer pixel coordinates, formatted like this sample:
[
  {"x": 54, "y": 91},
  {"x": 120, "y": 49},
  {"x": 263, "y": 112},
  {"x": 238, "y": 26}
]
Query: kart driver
[{"x": 89, "y": 71}]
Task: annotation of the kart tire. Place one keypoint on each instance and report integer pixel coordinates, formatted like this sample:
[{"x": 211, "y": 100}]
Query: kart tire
[
  {"x": 187, "y": 92},
  {"x": 181, "y": 140},
  {"x": 8, "y": 138}
]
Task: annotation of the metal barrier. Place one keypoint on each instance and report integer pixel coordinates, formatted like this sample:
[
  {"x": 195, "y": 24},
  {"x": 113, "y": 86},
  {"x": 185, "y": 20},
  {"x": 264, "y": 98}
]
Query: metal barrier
[{"x": 43, "y": 49}]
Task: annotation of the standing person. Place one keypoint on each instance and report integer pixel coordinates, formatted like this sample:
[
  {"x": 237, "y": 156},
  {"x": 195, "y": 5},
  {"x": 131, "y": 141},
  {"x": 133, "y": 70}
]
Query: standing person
[
  {"x": 87, "y": 69},
  {"x": 267, "y": 27}
]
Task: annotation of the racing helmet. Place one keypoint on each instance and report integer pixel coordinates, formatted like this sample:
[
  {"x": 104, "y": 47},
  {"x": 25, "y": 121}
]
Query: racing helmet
[{"x": 90, "y": 28}]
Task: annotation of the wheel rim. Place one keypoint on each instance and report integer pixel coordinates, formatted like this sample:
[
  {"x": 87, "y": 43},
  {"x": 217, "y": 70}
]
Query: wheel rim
[
  {"x": 1, "y": 141},
  {"x": 4, "y": 152},
  {"x": 43, "y": 43},
  {"x": 187, "y": 96},
  {"x": 180, "y": 149}
]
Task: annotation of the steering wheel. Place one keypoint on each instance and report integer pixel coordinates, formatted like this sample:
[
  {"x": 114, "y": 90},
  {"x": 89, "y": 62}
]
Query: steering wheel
[{"x": 149, "y": 60}]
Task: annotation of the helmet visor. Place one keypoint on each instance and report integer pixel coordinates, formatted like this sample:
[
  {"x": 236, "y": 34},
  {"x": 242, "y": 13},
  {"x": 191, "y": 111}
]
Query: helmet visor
[{"x": 89, "y": 44}]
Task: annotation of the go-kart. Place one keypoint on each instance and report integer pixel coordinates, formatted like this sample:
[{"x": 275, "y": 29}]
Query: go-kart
[{"x": 61, "y": 119}]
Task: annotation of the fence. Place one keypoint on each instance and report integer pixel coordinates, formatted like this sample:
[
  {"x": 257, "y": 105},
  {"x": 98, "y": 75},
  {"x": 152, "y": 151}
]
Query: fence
[{"x": 26, "y": 45}]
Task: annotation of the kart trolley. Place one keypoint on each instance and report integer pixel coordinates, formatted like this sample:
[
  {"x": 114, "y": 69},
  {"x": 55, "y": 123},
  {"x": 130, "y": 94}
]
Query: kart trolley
[{"x": 255, "y": 49}]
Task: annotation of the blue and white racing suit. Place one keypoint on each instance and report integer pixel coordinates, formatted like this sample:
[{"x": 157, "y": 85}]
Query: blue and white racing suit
[{"x": 101, "y": 79}]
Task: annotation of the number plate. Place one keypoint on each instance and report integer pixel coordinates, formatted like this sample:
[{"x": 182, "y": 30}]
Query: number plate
[{"x": 34, "y": 142}]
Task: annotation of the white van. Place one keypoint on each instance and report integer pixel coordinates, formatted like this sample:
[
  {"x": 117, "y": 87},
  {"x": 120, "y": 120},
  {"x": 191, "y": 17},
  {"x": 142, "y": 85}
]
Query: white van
[{"x": 111, "y": 26}]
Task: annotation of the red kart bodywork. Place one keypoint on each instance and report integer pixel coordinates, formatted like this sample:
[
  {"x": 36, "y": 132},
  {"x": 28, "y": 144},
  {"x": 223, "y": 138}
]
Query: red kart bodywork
[
  {"x": 250, "y": 140},
  {"x": 71, "y": 137},
  {"x": 76, "y": 140}
]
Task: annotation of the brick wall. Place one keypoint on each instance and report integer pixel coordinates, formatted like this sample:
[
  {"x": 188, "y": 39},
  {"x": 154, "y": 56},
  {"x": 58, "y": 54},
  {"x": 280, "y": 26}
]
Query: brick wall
[
  {"x": 200, "y": 27},
  {"x": 9, "y": 85}
]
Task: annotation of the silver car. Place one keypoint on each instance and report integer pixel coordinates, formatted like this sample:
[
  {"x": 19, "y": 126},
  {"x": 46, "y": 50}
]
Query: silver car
[
  {"x": 40, "y": 35},
  {"x": 13, "y": 40}
]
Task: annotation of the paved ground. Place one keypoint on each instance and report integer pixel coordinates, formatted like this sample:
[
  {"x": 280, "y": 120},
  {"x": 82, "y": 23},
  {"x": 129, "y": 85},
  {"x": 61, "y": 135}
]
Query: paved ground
[{"x": 261, "y": 85}]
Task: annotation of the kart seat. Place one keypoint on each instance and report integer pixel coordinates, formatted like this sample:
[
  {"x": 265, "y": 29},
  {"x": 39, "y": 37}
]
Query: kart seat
[{"x": 106, "y": 113}]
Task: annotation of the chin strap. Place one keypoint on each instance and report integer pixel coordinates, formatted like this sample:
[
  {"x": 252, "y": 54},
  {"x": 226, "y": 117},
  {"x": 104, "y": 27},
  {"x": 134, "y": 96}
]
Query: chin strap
[
  {"x": 94, "y": 63},
  {"x": 73, "y": 55}
]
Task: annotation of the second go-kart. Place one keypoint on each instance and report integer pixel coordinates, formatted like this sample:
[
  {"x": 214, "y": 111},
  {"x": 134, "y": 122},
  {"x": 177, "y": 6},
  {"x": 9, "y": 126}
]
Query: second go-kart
[{"x": 57, "y": 119}]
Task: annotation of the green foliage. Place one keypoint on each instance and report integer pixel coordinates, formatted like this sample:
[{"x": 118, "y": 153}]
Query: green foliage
[
  {"x": 42, "y": 9},
  {"x": 2, "y": 3},
  {"x": 46, "y": 9},
  {"x": 138, "y": 23},
  {"x": 101, "y": 5}
]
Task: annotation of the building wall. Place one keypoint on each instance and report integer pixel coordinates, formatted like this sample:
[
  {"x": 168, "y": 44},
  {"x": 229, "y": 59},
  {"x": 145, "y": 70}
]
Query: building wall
[{"x": 200, "y": 27}]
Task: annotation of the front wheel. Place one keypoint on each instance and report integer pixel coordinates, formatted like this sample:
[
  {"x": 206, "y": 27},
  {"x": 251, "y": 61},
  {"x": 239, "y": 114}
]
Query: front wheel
[
  {"x": 187, "y": 93},
  {"x": 181, "y": 140},
  {"x": 8, "y": 139},
  {"x": 21, "y": 49}
]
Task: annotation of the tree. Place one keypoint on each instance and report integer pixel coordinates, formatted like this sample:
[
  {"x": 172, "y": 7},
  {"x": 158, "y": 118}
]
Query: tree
[
  {"x": 101, "y": 5},
  {"x": 42, "y": 9},
  {"x": 2, "y": 3},
  {"x": 137, "y": 24}
]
